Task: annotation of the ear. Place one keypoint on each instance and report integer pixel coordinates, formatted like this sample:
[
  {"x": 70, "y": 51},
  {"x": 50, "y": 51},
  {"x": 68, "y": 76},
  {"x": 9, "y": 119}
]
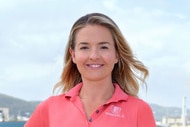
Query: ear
[
  {"x": 72, "y": 54},
  {"x": 116, "y": 58}
]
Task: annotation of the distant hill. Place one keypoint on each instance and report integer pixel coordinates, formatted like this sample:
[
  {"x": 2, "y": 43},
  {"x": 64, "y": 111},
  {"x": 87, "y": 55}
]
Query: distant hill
[
  {"x": 17, "y": 106},
  {"x": 21, "y": 107},
  {"x": 161, "y": 111}
]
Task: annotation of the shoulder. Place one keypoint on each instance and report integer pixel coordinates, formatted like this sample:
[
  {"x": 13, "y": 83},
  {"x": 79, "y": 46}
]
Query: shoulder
[
  {"x": 55, "y": 98},
  {"x": 138, "y": 103},
  {"x": 142, "y": 111},
  {"x": 52, "y": 100},
  {"x": 142, "y": 108},
  {"x": 41, "y": 114},
  {"x": 136, "y": 100}
]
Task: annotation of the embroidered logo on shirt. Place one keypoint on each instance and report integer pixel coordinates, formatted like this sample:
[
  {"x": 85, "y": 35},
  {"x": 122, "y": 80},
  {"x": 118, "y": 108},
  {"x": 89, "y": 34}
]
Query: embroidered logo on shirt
[{"x": 114, "y": 111}]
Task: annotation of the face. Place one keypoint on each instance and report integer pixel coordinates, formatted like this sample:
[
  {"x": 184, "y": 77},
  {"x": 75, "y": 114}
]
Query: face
[{"x": 94, "y": 53}]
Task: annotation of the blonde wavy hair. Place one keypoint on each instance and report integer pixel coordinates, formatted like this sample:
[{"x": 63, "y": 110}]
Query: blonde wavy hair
[{"x": 127, "y": 72}]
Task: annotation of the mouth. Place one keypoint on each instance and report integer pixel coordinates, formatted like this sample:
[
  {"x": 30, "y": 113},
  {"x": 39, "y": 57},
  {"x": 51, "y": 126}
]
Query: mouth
[{"x": 94, "y": 65}]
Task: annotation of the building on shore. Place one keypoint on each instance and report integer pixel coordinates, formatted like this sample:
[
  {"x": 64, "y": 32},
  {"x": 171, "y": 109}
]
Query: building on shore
[
  {"x": 4, "y": 114},
  {"x": 175, "y": 122},
  {"x": 181, "y": 121}
]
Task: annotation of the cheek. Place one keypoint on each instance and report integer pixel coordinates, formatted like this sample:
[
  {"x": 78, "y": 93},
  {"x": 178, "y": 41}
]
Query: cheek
[
  {"x": 79, "y": 58},
  {"x": 111, "y": 58}
]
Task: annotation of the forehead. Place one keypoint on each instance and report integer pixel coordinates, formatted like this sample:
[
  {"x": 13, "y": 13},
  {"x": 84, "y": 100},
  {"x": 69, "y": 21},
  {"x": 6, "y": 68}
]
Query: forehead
[{"x": 94, "y": 33}]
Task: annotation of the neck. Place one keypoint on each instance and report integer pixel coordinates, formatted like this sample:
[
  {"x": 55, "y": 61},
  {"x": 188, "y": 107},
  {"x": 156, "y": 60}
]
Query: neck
[{"x": 96, "y": 91}]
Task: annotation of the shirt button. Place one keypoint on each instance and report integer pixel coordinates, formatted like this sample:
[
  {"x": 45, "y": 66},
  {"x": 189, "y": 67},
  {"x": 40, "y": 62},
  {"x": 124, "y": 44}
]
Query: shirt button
[
  {"x": 97, "y": 111},
  {"x": 90, "y": 120}
]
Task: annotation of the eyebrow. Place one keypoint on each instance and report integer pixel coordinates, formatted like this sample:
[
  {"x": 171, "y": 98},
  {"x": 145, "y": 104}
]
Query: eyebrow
[
  {"x": 104, "y": 42},
  {"x": 83, "y": 43},
  {"x": 99, "y": 43}
]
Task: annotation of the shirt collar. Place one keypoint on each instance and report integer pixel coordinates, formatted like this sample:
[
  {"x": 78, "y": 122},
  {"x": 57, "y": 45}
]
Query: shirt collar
[
  {"x": 119, "y": 94},
  {"x": 72, "y": 93}
]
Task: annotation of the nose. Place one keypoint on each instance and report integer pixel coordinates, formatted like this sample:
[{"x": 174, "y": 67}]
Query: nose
[{"x": 94, "y": 54}]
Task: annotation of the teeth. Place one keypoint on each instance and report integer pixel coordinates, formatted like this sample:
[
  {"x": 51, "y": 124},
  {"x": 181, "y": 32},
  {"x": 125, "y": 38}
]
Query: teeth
[{"x": 95, "y": 65}]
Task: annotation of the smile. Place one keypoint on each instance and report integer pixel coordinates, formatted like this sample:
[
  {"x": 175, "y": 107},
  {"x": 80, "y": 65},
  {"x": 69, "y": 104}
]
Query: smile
[{"x": 94, "y": 65}]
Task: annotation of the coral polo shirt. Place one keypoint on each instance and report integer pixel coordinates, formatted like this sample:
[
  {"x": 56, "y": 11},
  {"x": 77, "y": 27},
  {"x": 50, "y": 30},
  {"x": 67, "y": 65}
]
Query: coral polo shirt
[{"x": 66, "y": 110}]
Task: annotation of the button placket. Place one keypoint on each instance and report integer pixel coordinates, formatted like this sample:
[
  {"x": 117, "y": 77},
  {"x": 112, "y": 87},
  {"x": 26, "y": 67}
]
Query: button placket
[
  {"x": 97, "y": 111},
  {"x": 95, "y": 115},
  {"x": 90, "y": 120}
]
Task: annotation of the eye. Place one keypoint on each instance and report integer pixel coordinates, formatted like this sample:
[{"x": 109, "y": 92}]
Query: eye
[
  {"x": 104, "y": 47},
  {"x": 84, "y": 47}
]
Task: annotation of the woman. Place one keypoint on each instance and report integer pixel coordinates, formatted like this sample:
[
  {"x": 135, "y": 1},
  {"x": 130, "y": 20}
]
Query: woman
[{"x": 99, "y": 81}]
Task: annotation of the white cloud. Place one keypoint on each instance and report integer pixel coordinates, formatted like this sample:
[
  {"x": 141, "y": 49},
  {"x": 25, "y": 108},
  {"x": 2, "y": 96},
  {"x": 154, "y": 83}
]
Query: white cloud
[
  {"x": 8, "y": 4},
  {"x": 111, "y": 5},
  {"x": 28, "y": 71},
  {"x": 187, "y": 68}
]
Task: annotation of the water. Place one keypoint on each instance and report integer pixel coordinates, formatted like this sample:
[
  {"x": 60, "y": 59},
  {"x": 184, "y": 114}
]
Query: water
[{"x": 12, "y": 124}]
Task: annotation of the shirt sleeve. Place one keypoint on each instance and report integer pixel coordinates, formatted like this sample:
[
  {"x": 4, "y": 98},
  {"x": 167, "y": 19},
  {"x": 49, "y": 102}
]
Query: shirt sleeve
[
  {"x": 145, "y": 116},
  {"x": 39, "y": 118}
]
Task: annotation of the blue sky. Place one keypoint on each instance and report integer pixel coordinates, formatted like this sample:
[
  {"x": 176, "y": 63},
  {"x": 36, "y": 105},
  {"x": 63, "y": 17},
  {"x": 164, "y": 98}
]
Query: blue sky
[{"x": 33, "y": 35}]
